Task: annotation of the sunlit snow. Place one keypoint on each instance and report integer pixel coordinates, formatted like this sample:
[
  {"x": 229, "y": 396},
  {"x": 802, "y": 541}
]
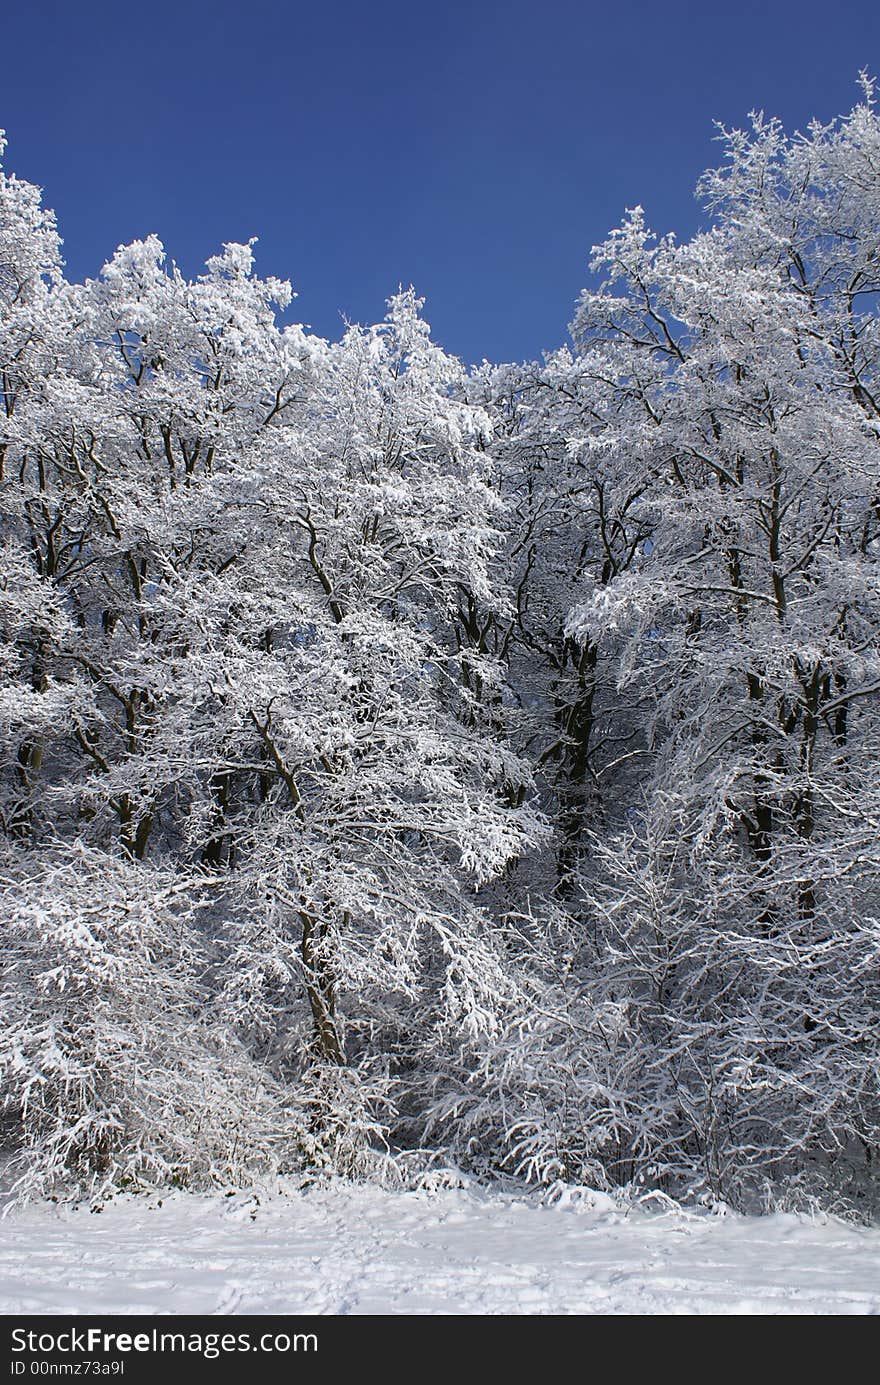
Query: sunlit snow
[{"x": 357, "y": 1250}]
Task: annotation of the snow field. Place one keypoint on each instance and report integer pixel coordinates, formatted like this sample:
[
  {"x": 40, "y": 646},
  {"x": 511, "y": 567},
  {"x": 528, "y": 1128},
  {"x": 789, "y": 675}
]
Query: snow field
[{"x": 353, "y": 1250}]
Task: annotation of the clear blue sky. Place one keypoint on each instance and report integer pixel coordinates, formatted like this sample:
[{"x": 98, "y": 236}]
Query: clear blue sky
[{"x": 475, "y": 150}]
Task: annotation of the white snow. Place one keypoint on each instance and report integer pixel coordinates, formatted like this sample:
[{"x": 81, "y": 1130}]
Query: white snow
[{"x": 360, "y": 1250}]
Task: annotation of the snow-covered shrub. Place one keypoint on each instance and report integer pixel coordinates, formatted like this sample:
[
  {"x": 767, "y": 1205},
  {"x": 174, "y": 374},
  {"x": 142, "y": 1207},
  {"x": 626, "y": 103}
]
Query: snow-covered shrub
[
  {"x": 674, "y": 1032},
  {"x": 114, "y": 1070},
  {"x": 538, "y": 1097},
  {"x": 750, "y": 1062}
]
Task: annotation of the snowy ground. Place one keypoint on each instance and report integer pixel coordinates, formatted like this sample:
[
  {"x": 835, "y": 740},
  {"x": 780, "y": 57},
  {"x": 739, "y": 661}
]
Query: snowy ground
[{"x": 359, "y": 1250}]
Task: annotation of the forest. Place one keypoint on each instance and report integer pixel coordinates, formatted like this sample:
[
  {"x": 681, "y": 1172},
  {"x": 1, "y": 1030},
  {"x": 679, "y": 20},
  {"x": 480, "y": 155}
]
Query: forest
[{"x": 412, "y": 768}]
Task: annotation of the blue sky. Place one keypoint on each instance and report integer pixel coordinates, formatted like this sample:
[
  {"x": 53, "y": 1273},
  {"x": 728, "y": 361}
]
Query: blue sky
[{"x": 475, "y": 150}]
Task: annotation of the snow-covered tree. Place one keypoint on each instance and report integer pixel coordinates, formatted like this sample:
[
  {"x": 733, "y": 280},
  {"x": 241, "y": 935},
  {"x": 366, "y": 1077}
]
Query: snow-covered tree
[
  {"x": 477, "y": 763},
  {"x": 746, "y": 891},
  {"x": 233, "y": 552}
]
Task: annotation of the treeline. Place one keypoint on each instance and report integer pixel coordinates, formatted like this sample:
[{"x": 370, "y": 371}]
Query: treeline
[{"x": 411, "y": 768}]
